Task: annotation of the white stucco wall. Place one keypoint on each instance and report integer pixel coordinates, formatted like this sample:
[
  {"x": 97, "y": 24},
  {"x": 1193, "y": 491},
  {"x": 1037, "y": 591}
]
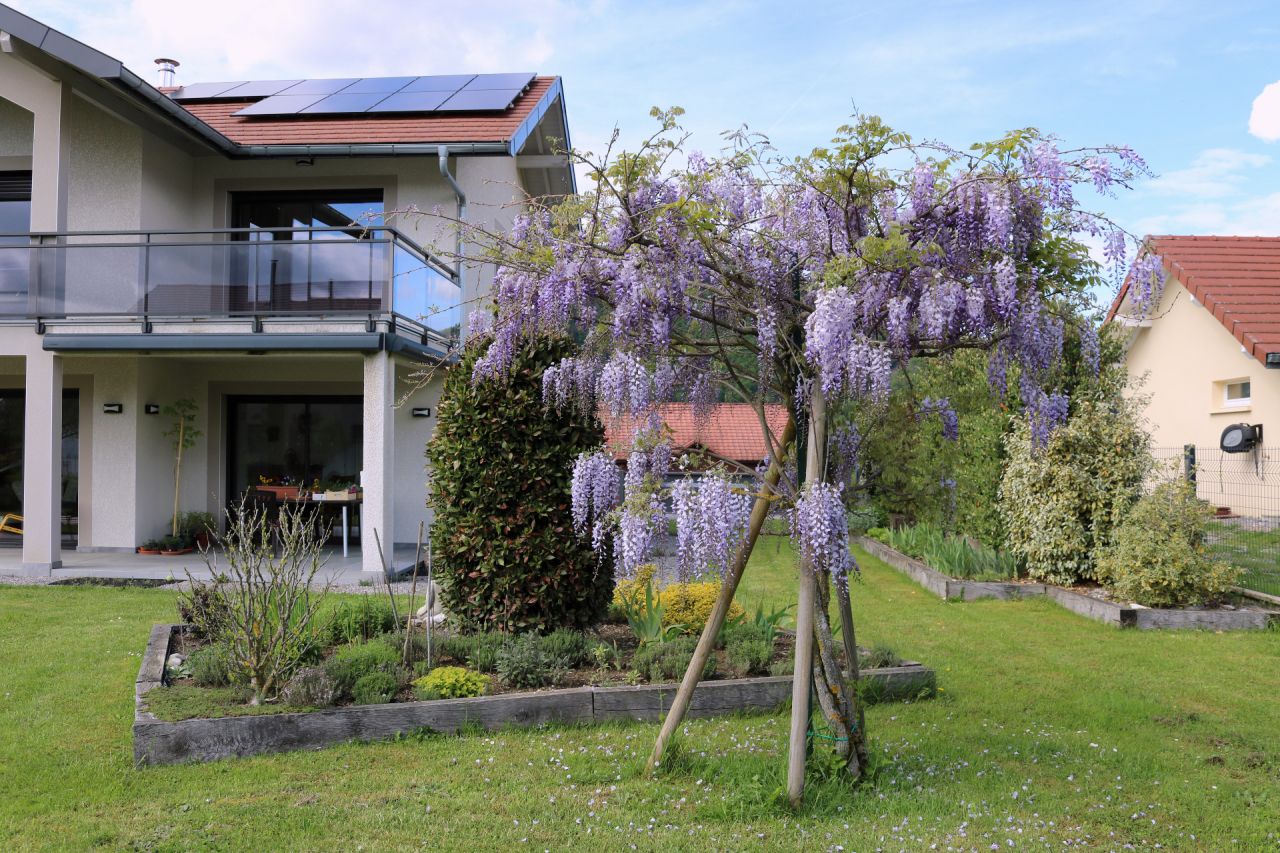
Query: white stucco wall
[{"x": 16, "y": 126}]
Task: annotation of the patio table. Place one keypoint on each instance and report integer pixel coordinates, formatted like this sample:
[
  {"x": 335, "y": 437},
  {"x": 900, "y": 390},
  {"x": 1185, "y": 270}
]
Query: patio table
[{"x": 346, "y": 502}]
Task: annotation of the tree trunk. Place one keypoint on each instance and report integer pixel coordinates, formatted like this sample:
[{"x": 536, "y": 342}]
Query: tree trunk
[
  {"x": 707, "y": 642},
  {"x": 177, "y": 477}
]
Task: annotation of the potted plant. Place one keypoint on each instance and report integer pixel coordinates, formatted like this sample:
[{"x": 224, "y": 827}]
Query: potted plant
[
  {"x": 195, "y": 528},
  {"x": 337, "y": 489},
  {"x": 172, "y": 546},
  {"x": 151, "y": 547},
  {"x": 282, "y": 487}
]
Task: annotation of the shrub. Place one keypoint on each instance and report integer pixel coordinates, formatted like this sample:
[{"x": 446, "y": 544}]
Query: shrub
[
  {"x": 1157, "y": 555},
  {"x": 375, "y": 688},
  {"x": 271, "y": 564},
  {"x": 567, "y": 647},
  {"x": 204, "y": 607},
  {"x": 668, "y": 661},
  {"x": 605, "y": 656},
  {"x": 750, "y": 654},
  {"x": 362, "y": 618},
  {"x": 352, "y": 662},
  {"x": 524, "y": 663},
  {"x": 1061, "y": 502},
  {"x": 478, "y": 651},
  {"x": 450, "y": 682},
  {"x": 687, "y": 605},
  {"x": 311, "y": 687},
  {"x": 212, "y": 666},
  {"x": 501, "y": 461},
  {"x": 878, "y": 656}
]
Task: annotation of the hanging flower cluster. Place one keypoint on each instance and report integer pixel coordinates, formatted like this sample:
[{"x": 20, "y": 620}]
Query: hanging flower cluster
[
  {"x": 942, "y": 408},
  {"x": 711, "y": 519},
  {"x": 820, "y": 530}
]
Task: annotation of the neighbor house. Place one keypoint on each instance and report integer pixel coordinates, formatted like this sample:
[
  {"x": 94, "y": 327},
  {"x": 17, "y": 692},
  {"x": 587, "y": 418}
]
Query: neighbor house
[
  {"x": 261, "y": 247},
  {"x": 730, "y": 436},
  {"x": 1208, "y": 350}
]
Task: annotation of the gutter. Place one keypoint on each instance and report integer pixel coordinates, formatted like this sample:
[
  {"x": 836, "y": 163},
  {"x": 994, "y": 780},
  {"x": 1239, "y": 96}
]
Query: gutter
[{"x": 442, "y": 152}]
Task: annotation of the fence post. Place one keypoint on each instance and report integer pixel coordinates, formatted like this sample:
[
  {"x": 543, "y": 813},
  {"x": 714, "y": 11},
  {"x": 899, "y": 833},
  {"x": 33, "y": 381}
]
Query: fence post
[{"x": 1189, "y": 463}]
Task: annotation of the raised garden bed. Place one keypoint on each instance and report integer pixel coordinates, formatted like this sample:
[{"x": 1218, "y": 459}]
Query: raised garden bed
[
  {"x": 159, "y": 742},
  {"x": 1100, "y": 609}
]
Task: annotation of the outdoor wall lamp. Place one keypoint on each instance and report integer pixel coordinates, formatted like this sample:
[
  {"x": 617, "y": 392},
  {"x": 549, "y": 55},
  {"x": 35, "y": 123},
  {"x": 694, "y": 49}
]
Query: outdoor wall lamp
[
  {"x": 151, "y": 408},
  {"x": 1273, "y": 360},
  {"x": 421, "y": 413},
  {"x": 112, "y": 408},
  {"x": 305, "y": 161}
]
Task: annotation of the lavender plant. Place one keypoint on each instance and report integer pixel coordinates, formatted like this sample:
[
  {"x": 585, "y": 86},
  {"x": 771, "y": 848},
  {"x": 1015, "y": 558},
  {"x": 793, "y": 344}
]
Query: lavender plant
[{"x": 804, "y": 282}]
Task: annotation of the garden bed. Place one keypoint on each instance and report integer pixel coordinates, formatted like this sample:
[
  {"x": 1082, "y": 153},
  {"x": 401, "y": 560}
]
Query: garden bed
[
  {"x": 205, "y": 739},
  {"x": 1243, "y": 618}
]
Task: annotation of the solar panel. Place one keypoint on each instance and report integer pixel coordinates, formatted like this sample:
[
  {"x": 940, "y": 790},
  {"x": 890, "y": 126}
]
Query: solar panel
[
  {"x": 499, "y": 81},
  {"x": 259, "y": 88},
  {"x": 440, "y": 83},
  {"x": 346, "y": 102},
  {"x": 279, "y": 105},
  {"x": 198, "y": 91},
  {"x": 411, "y": 102},
  {"x": 481, "y": 99},
  {"x": 319, "y": 87},
  {"x": 383, "y": 85}
]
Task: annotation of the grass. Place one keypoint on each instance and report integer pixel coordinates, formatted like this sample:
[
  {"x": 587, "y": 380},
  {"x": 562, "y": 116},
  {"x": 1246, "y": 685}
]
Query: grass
[
  {"x": 1255, "y": 551},
  {"x": 1051, "y": 730}
]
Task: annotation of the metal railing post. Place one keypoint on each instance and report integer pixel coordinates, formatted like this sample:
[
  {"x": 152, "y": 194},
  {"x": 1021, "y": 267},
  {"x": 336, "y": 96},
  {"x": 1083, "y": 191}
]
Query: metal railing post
[{"x": 1189, "y": 463}]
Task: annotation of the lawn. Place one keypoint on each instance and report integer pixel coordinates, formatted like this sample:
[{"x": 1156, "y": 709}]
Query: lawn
[{"x": 1051, "y": 730}]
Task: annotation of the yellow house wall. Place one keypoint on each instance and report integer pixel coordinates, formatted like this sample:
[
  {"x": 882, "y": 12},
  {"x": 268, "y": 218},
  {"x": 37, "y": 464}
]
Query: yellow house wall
[{"x": 1184, "y": 357}]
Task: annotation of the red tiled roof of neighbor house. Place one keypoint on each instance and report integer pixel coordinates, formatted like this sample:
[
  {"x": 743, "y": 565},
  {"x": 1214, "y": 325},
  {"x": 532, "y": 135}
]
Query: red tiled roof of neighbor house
[
  {"x": 1236, "y": 278},
  {"x": 363, "y": 128},
  {"x": 731, "y": 432}
]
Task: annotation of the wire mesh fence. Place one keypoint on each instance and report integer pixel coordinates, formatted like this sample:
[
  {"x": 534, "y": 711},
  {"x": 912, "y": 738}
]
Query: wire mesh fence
[{"x": 1244, "y": 490}]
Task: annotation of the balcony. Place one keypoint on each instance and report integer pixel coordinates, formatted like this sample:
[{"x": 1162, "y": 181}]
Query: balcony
[{"x": 321, "y": 273}]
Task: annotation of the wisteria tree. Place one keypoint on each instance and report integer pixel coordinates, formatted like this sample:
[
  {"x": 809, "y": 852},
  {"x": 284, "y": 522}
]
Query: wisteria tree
[{"x": 804, "y": 282}]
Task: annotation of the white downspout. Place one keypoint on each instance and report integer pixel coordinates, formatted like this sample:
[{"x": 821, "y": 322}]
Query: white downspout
[{"x": 443, "y": 153}]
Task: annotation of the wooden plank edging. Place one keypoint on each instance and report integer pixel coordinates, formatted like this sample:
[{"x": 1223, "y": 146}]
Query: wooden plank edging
[
  {"x": 160, "y": 742},
  {"x": 1098, "y": 609}
]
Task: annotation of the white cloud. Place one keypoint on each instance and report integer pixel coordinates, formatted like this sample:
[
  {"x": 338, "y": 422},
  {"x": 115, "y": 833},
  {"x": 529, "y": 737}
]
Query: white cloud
[
  {"x": 1257, "y": 216},
  {"x": 1214, "y": 173},
  {"x": 1264, "y": 118}
]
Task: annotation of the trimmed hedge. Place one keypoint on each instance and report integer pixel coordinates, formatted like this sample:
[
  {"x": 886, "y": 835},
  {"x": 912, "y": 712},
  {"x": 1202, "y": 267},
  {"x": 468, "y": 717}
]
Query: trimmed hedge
[{"x": 506, "y": 554}]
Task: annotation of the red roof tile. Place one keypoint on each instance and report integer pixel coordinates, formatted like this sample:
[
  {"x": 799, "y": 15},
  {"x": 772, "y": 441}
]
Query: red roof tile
[
  {"x": 732, "y": 432},
  {"x": 1236, "y": 278},
  {"x": 366, "y": 127}
]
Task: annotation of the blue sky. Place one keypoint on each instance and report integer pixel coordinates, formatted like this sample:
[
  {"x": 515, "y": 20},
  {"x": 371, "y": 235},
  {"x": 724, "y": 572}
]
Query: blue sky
[{"x": 1176, "y": 80}]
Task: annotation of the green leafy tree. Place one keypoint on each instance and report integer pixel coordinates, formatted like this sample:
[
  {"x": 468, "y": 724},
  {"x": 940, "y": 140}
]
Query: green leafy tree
[
  {"x": 505, "y": 550},
  {"x": 184, "y": 434}
]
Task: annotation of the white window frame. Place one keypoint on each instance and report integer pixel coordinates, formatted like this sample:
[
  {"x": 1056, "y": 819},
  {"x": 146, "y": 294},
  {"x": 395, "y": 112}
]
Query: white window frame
[{"x": 1230, "y": 402}]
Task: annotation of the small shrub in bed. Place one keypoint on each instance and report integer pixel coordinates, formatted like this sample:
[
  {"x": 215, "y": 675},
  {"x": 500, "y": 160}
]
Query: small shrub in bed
[
  {"x": 450, "y": 682},
  {"x": 687, "y": 605},
  {"x": 750, "y": 655},
  {"x": 524, "y": 664},
  {"x": 360, "y": 618},
  {"x": 478, "y": 651},
  {"x": 375, "y": 688},
  {"x": 568, "y": 647},
  {"x": 660, "y": 662},
  {"x": 204, "y": 607},
  {"x": 310, "y": 688},
  {"x": 878, "y": 656},
  {"x": 354, "y": 661},
  {"x": 211, "y": 666},
  {"x": 1158, "y": 557}
]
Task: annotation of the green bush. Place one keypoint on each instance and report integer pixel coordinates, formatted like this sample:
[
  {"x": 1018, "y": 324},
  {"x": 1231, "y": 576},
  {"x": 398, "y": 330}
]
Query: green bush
[
  {"x": 1061, "y": 502},
  {"x": 352, "y": 662},
  {"x": 750, "y": 655},
  {"x": 359, "y": 618},
  {"x": 523, "y": 663},
  {"x": 660, "y": 662},
  {"x": 211, "y": 666},
  {"x": 501, "y": 461},
  {"x": 204, "y": 607},
  {"x": 375, "y": 688},
  {"x": 878, "y": 656},
  {"x": 450, "y": 682},
  {"x": 310, "y": 688},
  {"x": 478, "y": 651},
  {"x": 569, "y": 648},
  {"x": 1157, "y": 556}
]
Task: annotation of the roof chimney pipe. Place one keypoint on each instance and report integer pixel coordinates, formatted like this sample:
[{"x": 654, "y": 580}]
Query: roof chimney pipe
[{"x": 168, "y": 67}]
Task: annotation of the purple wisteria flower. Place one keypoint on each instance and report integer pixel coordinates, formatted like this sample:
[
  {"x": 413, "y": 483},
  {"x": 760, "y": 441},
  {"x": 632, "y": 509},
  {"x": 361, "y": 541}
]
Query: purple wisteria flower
[{"x": 711, "y": 519}]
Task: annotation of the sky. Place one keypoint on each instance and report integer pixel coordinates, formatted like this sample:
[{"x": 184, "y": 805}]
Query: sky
[{"x": 1193, "y": 86}]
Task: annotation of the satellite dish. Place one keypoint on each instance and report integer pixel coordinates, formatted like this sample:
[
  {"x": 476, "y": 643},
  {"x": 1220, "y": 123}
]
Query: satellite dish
[{"x": 1240, "y": 438}]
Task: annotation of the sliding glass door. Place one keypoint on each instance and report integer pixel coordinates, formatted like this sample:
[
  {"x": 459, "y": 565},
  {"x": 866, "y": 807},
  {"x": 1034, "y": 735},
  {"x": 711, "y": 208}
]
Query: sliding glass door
[
  {"x": 12, "y": 430},
  {"x": 301, "y": 439}
]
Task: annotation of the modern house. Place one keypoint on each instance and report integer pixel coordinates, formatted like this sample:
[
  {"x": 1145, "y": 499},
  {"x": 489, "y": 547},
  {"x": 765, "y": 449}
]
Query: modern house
[
  {"x": 262, "y": 248},
  {"x": 1209, "y": 352}
]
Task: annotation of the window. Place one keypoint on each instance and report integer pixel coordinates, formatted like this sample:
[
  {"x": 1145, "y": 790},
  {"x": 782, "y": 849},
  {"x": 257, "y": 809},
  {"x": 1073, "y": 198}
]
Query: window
[
  {"x": 1236, "y": 393},
  {"x": 15, "y": 256}
]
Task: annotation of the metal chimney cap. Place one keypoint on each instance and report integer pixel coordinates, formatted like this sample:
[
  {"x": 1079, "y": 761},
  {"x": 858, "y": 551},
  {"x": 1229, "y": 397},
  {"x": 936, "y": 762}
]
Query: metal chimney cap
[
  {"x": 170, "y": 62},
  {"x": 167, "y": 68}
]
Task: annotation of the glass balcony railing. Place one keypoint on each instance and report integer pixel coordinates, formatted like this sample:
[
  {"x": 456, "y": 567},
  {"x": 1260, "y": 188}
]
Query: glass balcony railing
[{"x": 228, "y": 273}]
